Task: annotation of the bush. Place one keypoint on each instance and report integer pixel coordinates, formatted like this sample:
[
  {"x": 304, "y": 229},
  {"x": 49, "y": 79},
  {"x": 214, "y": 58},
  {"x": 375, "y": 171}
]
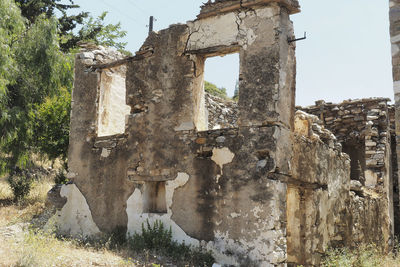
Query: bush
[
  {"x": 20, "y": 183},
  {"x": 159, "y": 239},
  {"x": 61, "y": 178}
]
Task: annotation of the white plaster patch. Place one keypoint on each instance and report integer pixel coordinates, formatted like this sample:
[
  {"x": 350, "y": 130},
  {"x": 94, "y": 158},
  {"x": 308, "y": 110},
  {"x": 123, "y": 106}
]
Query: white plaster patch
[
  {"x": 371, "y": 178},
  {"x": 222, "y": 156},
  {"x": 256, "y": 210},
  {"x": 227, "y": 29},
  {"x": 266, "y": 246},
  {"x": 220, "y": 30},
  {"x": 136, "y": 217},
  {"x": 397, "y": 98},
  {"x": 395, "y": 39},
  {"x": 235, "y": 215},
  {"x": 105, "y": 153},
  {"x": 75, "y": 218},
  {"x": 395, "y": 49},
  {"x": 185, "y": 126},
  {"x": 396, "y": 87}
]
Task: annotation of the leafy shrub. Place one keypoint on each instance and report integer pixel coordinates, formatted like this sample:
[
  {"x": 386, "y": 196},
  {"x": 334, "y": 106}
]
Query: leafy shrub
[
  {"x": 61, "y": 178},
  {"x": 51, "y": 125},
  {"x": 212, "y": 89},
  {"x": 155, "y": 237},
  {"x": 20, "y": 183},
  {"x": 159, "y": 239}
]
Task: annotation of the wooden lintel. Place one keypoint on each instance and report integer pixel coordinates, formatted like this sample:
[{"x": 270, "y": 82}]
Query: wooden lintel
[
  {"x": 220, "y": 50},
  {"x": 120, "y": 62}
]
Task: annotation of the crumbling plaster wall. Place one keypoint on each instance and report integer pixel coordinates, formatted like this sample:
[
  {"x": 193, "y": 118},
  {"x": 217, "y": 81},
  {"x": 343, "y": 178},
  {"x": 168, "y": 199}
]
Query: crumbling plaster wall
[
  {"x": 227, "y": 181},
  {"x": 272, "y": 191}
]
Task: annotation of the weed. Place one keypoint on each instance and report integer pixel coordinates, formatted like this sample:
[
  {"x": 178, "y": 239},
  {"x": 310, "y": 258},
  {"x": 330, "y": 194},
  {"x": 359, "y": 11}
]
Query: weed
[
  {"x": 364, "y": 256},
  {"x": 158, "y": 239},
  {"x": 39, "y": 249}
]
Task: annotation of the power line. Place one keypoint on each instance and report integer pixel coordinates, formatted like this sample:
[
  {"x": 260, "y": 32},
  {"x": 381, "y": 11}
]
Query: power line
[
  {"x": 138, "y": 7},
  {"x": 120, "y": 12}
]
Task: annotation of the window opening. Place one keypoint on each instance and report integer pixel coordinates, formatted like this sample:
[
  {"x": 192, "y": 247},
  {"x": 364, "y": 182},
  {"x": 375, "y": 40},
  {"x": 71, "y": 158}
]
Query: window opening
[
  {"x": 221, "y": 86},
  {"x": 112, "y": 102}
]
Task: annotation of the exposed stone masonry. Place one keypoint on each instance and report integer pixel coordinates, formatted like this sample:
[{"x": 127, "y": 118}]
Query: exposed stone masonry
[
  {"x": 221, "y": 113},
  {"x": 360, "y": 124}
]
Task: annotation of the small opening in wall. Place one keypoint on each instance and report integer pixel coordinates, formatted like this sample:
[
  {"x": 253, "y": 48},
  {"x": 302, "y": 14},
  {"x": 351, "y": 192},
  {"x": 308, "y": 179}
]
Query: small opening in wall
[
  {"x": 221, "y": 86},
  {"x": 356, "y": 151},
  {"x": 154, "y": 198},
  {"x": 112, "y": 105}
]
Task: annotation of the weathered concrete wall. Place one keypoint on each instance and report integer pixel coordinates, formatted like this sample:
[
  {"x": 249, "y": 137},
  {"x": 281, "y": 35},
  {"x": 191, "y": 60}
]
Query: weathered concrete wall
[
  {"x": 268, "y": 190},
  {"x": 208, "y": 186}
]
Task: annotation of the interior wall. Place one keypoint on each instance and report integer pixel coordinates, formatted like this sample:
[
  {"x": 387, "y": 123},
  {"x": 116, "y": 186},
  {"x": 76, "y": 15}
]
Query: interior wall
[{"x": 112, "y": 102}]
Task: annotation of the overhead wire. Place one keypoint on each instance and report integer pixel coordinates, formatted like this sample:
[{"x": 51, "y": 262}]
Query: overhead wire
[
  {"x": 132, "y": 2},
  {"x": 122, "y": 13}
]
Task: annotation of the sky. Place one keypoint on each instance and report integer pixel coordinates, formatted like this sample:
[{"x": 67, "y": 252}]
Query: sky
[{"x": 346, "y": 54}]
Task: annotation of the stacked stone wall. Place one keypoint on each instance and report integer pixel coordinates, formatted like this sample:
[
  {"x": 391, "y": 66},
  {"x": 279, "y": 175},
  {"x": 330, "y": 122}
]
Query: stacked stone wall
[
  {"x": 221, "y": 113},
  {"x": 365, "y": 130},
  {"x": 364, "y": 125}
]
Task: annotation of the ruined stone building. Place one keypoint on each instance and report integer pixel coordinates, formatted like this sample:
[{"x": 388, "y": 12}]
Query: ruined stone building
[{"x": 260, "y": 182}]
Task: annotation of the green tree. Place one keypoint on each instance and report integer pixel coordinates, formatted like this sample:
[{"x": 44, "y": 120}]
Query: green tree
[
  {"x": 92, "y": 30},
  {"x": 51, "y": 125},
  {"x": 41, "y": 69},
  {"x": 33, "y": 9},
  {"x": 36, "y": 77},
  {"x": 212, "y": 89},
  {"x": 96, "y": 31},
  {"x": 11, "y": 28}
]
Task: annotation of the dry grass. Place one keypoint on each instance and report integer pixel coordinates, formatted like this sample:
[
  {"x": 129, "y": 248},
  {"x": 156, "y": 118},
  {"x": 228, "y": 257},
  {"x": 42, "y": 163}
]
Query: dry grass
[
  {"x": 25, "y": 211},
  {"x": 364, "y": 256},
  {"x": 20, "y": 246},
  {"x": 40, "y": 249},
  {"x": 43, "y": 249}
]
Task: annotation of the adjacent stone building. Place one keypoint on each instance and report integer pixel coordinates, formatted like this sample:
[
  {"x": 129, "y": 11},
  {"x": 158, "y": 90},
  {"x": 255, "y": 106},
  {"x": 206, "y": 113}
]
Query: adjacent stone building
[{"x": 257, "y": 183}]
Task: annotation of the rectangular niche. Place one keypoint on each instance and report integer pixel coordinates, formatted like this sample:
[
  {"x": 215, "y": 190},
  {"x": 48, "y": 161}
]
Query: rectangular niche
[
  {"x": 112, "y": 102},
  {"x": 154, "y": 200}
]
